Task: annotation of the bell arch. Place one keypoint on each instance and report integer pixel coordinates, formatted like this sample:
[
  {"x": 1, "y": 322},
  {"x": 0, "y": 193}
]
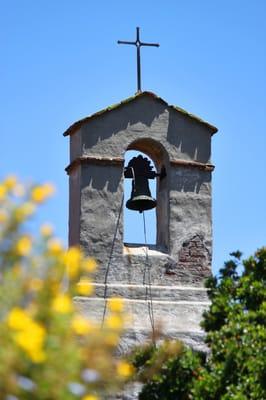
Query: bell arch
[
  {"x": 158, "y": 154},
  {"x": 133, "y": 229}
]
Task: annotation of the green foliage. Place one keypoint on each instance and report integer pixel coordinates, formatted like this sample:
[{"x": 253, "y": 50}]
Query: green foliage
[
  {"x": 235, "y": 334},
  {"x": 167, "y": 371}
]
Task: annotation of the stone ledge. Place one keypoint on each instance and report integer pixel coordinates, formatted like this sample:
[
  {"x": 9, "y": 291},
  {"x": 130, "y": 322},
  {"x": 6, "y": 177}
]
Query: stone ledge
[
  {"x": 193, "y": 164},
  {"x": 93, "y": 160},
  {"x": 138, "y": 249},
  {"x": 148, "y": 300},
  {"x": 142, "y": 292},
  {"x": 170, "y": 316}
]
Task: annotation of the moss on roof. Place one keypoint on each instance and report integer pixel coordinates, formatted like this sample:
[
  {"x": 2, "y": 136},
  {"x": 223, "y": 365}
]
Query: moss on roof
[{"x": 74, "y": 127}]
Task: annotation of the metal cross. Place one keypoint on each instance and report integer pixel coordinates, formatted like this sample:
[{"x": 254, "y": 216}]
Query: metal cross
[{"x": 138, "y": 44}]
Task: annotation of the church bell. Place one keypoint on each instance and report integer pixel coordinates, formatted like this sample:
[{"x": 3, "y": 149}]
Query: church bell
[{"x": 140, "y": 171}]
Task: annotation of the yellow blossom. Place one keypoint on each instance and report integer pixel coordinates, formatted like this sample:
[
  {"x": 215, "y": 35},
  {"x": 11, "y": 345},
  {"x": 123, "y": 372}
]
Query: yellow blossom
[
  {"x": 10, "y": 182},
  {"x": 90, "y": 397},
  {"x": 62, "y": 304},
  {"x": 37, "y": 355},
  {"x": 3, "y": 191},
  {"x": 23, "y": 246},
  {"x": 17, "y": 319},
  {"x": 3, "y": 217},
  {"x": 124, "y": 369},
  {"x": 85, "y": 287},
  {"x": 73, "y": 258},
  {"x": 111, "y": 339},
  {"x": 17, "y": 270},
  {"x": 46, "y": 230},
  {"x": 55, "y": 286},
  {"x": 89, "y": 265},
  {"x": 40, "y": 193},
  {"x": 29, "y": 336},
  {"x": 114, "y": 322},
  {"x": 31, "y": 340},
  {"x": 54, "y": 246},
  {"x": 116, "y": 304},
  {"x": 80, "y": 325},
  {"x": 35, "y": 284},
  {"x": 24, "y": 211}
]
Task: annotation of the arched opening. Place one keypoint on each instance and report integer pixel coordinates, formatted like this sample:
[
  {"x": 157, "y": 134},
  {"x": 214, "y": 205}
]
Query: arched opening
[
  {"x": 133, "y": 220},
  {"x": 157, "y": 219}
]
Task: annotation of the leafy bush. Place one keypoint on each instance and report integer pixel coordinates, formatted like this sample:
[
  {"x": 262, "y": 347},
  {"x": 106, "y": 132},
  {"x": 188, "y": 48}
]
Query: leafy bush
[
  {"x": 50, "y": 351},
  {"x": 167, "y": 371},
  {"x": 236, "y": 332},
  {"x": 235, "y": 326}
]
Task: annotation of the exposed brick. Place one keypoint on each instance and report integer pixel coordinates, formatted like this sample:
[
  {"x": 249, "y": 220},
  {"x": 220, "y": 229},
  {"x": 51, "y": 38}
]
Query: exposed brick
[{"x": 194, "y": 254}]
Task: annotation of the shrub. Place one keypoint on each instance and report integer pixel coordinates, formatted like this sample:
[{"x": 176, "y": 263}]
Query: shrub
[{"x": 49, "y": 350}]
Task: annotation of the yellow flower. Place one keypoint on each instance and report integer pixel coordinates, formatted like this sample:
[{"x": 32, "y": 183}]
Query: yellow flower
[
  {"x": 55, "y": 286},
  {"x": 54, "y": 246},
  {"x": 90, "y": 397},
  {"x": 114, "y": 322},
  {"x": 23, "y": 246},
  {"x": 10, "y": 182},
  {"x": 89, "y": 265},
  {"x": 3, "y": 217},
  {"x": 37, "y": 355},
  {"x": 35, "y": 284},
  {"x": 29, "y": 336},
  {"x": 31, "y": 340},
  {"x": 62, "y": 304},
  {"x": 111, "y": 339},
  {"x": 24, "y": 211},
  {"x": 17, "y": 319},
  {"x": 17, "y": 270},
  {"x": 46, "y": 230},
  {"x": 116, "y": 304},
  {"x": 40, "y": 193},
  {"x": 73, "y": 258},
  {"x": 124, "y": 369},
  {"x": 85, "y": 287},
  {"x": 80, "y": 325},
  {"x": 3, "y": 191}
]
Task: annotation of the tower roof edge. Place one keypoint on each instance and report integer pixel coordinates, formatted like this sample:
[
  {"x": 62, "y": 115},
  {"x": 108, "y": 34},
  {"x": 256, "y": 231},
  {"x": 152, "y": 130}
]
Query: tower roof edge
[{"x": 77, "y": 125}]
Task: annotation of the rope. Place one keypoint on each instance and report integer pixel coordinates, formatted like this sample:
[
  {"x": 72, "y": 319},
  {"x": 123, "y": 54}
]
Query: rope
[
  {"x": 147, "y": 271},
  {"x": 109, "y": 261}
]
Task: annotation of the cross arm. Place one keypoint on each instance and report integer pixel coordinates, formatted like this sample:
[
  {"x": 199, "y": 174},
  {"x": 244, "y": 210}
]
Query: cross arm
[
  {"x": 150, "y": 44},
  {"x": 124, "y": 42}
]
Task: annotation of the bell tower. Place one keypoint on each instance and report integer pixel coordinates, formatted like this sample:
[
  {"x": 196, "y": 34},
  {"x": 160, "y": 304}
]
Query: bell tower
[{"x": 162, "y": 284}]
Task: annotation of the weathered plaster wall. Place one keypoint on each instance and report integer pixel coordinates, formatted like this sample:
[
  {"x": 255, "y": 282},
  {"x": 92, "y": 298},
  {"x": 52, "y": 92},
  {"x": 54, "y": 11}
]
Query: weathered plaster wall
[
  {"x": 190, "y": 207},
  {"x": 111, "y": 133},
  {"x": 101, "y": 200},
  {"x": 74, "y": 208}
]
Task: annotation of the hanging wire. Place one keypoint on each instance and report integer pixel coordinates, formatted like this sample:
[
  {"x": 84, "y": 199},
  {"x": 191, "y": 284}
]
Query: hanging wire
[
  {"x": 111, "y": 253},
  {"x": 109, "y": 261},
  {"x": 147, "y": 272}
]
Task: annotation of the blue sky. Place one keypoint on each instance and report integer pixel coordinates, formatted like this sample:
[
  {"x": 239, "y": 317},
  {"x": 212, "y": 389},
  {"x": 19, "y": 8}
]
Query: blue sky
[{"x": 60, "y": 62}]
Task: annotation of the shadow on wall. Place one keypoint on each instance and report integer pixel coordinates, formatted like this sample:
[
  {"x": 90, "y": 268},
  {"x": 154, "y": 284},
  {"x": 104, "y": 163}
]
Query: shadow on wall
[
  {"x": 189, "y": 136},
  {"x": 142, "y": 111},
  {"x": 102, "y": 177},
  {"x": 191, "y": 180}
]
